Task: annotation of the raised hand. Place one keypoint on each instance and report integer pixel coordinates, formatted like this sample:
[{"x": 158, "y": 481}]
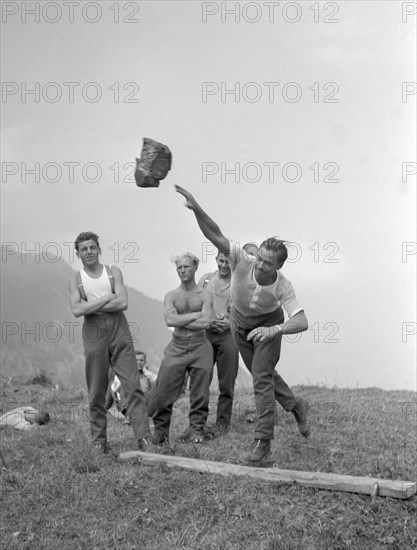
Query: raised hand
[{"x": 190, "y": 200}]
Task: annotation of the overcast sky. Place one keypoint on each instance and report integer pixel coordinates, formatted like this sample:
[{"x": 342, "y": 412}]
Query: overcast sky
[{"x": 294, "y": 119}]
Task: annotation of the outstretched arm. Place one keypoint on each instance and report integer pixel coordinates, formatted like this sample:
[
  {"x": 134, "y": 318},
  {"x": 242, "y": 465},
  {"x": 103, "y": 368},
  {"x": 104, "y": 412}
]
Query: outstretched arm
[{"x": 209, "y": 227}]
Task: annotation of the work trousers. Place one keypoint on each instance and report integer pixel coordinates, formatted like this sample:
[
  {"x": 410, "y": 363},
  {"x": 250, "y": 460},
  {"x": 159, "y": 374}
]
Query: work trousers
[
  {"x": 193, "y": 354},
  {"x": 108, "y": 342},
  {"x": 260, "y": 359},
  {"x": 226, "y": 356}
]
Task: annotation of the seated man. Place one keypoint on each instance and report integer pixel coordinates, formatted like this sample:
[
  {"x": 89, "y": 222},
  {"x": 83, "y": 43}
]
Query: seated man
[
  {"x": 147, "y": 377},
  {"x": 147, "y": 381}
]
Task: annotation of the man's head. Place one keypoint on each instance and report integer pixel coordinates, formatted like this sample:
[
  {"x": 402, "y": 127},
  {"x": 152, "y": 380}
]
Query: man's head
[
  {"x": 187, "y": 265},
  {"x": 87, "y": 247},
  {"x": 270, "y": 258},
  {"x": 41, "y": 417},
  {"x": 223, "y": 265},
  {"x": 140, "y": 359}
]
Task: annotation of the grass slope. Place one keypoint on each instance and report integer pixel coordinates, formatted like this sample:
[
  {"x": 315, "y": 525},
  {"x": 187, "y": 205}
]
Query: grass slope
[{"x": 58, "y": 494}]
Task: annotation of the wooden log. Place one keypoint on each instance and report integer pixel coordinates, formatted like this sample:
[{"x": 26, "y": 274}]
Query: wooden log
[{"x": 319, "y": 480}]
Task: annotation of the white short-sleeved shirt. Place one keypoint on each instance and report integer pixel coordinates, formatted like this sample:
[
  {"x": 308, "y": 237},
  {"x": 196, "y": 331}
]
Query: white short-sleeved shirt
[{"x": 252, "y": 299}]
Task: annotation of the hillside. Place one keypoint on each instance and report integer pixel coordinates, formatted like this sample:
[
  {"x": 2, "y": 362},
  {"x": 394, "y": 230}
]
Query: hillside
[
  {"x": 54, "y": 485},
  {"x": 40, "y": 334}
]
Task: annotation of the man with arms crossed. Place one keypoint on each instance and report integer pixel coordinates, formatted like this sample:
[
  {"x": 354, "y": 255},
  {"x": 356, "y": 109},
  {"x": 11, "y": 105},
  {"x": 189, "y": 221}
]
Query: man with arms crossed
[
  {"x": 225, "y": 352},
  {"x": 188, "y": 309},
  {"x": 258, "y": 290},
  {"x": 107, "y": 340}
]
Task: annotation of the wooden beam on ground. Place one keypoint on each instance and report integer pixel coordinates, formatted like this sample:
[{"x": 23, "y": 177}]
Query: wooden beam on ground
[{"x": 319, "y": 480}]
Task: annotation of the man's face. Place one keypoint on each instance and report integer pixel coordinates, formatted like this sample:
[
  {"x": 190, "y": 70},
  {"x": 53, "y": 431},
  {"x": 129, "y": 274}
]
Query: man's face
[
  {"x": 140, "y": 361},
  {"x": 223, "y": 265},
  {"x": 266, "y": 264},
  {"x": 88, "y": 252},
  {"x": 185, "y": 269}
]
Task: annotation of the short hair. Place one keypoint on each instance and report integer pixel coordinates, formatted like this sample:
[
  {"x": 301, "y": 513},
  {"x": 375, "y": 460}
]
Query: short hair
[
  {"x": 250, "y": 248},
  {"x": 86, "y": 236},
  {"x": 43, "y": 418},
  {"x": 193, "y": 258},
  {"x": 274, "y": 244},
  {"x": 140, "y": 352},
  {"x": 220, "y": 251}
]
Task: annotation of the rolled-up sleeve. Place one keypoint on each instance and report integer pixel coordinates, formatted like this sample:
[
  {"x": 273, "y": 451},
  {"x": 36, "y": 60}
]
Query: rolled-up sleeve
[{"x": 288, "y": 299}]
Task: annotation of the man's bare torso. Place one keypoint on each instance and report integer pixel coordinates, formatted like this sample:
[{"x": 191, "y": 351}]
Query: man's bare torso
[{"x": 187, "y": 301}]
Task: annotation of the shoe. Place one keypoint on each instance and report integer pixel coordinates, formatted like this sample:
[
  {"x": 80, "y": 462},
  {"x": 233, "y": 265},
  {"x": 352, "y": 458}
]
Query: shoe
[
  {"x": 160, "y": 439},
  {"x": 300, "y": 414},
  {"x": 261, "y": 448},
  {"x": 145, "y": 444},
  {"x": 191, "y": 435}
]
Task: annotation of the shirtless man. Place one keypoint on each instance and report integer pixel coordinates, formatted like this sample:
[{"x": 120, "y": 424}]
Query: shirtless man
[{"x": 188, "y": 309}]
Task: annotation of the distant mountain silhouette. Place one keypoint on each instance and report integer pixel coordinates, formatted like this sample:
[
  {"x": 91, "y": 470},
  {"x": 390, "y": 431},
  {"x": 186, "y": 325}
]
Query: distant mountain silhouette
[
  {"x": 39, "y": 332},
  {"x": 41, "y": 336}
]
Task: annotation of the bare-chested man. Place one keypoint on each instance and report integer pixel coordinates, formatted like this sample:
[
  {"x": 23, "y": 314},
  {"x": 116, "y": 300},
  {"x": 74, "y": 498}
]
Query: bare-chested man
[{"x": 188, "y": 309}]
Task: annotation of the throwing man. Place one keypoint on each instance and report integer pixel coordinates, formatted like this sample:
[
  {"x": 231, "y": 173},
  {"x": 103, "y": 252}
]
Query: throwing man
[{"x": 259, "y": 291}]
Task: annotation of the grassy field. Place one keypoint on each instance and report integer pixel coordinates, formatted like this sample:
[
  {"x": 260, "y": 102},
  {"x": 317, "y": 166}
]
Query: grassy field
[{"x": 57, "y": 493}]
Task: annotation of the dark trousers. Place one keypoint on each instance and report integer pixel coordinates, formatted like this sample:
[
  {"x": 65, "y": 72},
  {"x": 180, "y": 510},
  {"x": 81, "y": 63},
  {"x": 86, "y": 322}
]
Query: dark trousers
[
  {"x": 108, "y": 342},
  {"x": 226, "y": 356},
  {"x": 193, "y": 354},
  {"x": 260, "y": 359}
]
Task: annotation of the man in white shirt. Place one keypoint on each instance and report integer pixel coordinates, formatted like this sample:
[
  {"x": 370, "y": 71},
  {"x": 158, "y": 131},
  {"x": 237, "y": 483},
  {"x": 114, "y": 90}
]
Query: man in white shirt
[{"x": 258, "y": 292}]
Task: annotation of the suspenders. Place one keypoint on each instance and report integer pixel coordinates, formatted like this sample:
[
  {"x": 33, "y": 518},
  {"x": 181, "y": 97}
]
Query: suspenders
[
  {"x": 229, "y": 300},
  {"x": 81, "y": 286},
  {"x": 207, "y": 280}
]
